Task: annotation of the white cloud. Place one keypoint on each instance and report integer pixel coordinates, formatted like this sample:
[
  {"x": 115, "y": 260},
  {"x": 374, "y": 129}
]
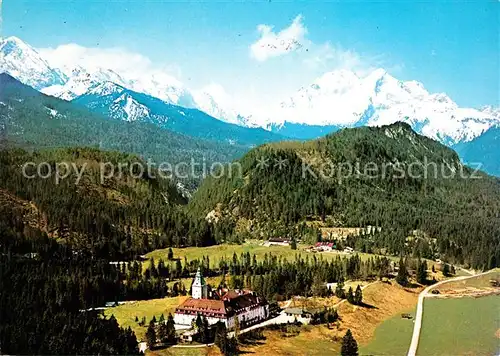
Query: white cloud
[
  {"x": 272, "y": 44},
  {"x": 316, "y": 57},
  {"x": 122, "y": 61},
  {"x": 326, "y": 57}
]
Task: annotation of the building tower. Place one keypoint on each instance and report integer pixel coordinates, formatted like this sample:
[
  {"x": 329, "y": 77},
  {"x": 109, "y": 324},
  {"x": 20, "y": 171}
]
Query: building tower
[{"x": 199, "y": 288}]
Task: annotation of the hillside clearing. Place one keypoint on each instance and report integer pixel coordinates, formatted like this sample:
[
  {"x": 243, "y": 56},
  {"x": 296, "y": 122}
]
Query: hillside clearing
[
  {"x": 125, "y": 314},
  {"x": 225, "y": 251}
]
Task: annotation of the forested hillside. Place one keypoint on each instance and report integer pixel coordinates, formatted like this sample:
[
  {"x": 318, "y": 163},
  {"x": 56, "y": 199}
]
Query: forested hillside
[
  {"x": 33, "y": 120},
  {"x": 379, "y": 178},
  {"x": 126, "y": 214},
  {"x": 43, "y": 288}
]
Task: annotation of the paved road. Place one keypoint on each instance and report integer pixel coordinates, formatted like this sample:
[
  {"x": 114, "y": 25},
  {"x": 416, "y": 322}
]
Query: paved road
[{"x": 420, "y": 310}]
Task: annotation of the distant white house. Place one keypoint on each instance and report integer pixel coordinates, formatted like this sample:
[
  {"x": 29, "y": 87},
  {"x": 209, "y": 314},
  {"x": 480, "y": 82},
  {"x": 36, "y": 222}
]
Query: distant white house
[
  {"x": 331, "y": 286},
  {"x": 277, "y": 242},
  {"x": 324, "y": 246},
  {"x": 143, "y": 347}
]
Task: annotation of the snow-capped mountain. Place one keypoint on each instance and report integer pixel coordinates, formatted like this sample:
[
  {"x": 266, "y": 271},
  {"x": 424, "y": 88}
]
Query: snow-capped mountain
[
  {"x": 120, "y": 103},
  {"x": 80, "y": 81},
  {"x": 343, "y": 99},
  {"x": 24, "y": 63},
  {"x": 162, "y": 86},
  {"x": 115, "y": 101},
  {"x": 215, "y": 101},
  {"x": 337, "y": 99}
]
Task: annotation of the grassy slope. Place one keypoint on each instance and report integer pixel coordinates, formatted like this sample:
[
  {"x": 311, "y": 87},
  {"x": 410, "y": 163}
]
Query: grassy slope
[
  {"x": 464, "y": 326},
  {"x": 389, "y": 301},
  {"x": 392, "y": 337},
  {"x": 226, "y": 251},
  {"x": 125, "y": 314},
  {"x": 213, "y": 351}
]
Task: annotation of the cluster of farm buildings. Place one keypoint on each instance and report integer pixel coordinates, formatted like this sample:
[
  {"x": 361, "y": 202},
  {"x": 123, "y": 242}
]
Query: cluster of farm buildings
[{"x": 324, "y": 246}]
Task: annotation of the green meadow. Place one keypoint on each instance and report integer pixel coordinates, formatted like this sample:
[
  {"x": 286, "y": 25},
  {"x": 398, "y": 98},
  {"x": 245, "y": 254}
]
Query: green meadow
[
  {"x": 461, "y": 326},
  {"x": 392, "y": 337}
]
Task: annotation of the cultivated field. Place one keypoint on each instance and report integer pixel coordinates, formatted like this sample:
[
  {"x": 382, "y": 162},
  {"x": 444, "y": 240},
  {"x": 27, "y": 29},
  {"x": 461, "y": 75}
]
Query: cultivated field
[
  {"x": 125, "y": 314},
  {"x": 460, "y": 326}
]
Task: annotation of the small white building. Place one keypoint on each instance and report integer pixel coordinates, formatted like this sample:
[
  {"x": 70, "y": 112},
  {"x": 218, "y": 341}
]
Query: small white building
[
  {"x": 244, "y": 305},
  {"x": 298, "y": 314},
  {"x": 277, "y": 242},
  {"x": 348, "y": 250}
]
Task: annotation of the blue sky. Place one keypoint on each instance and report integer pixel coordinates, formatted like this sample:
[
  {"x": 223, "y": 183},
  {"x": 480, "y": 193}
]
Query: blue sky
[{"x": 449, "y": 47}]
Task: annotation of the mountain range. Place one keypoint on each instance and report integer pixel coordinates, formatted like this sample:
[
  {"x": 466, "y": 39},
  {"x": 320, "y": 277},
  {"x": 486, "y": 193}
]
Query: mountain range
[
  {"x": 118, "y": 102},
  {"x": 343, "y": 99},
  {"x": 336, "y": 100}
]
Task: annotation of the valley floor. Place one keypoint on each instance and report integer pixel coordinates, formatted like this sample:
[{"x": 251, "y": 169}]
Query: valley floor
[{"x": 383, "y": 300}]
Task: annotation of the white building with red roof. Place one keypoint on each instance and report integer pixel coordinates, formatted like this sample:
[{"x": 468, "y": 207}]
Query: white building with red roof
[{"x": 247, "y": 306}]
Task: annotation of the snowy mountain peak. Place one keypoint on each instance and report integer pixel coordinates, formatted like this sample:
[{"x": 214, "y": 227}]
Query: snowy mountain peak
[
  {"x": 24, "y": 63},
  {"x": 105, "y": 88},
  {"x": 80, "y": 81},
  {"x": 215, "y": 101},
  {"x": 13, "y": 43},
  {"x": 128, "y": 108},
  {"x": 343, "y": 98}
]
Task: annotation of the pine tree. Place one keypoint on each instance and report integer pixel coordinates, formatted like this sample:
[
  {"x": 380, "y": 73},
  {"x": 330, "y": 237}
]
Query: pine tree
[
  {"x": 199, "y": 322},
  {"x": 318, "y": 288},
  {"x": 221, "y": 337},
  {"x": 162, "y": 332},
  {"x": 339, "y": 289},
  {"x": 170, "y": 255},
  {"x": 223, "y": 283},
  {"x": 402, "y": 277},
  {"x": 446, "y": 270},
  {"x": 206, "y": 331},
  {"x": 293, "y": 244},
  {"x": 170, "y": 329},
  {"x": 421, "y": 272},
  {"x": 162, "y": 319},
  {"x": 358, "y": 296},
  {"x": 350, "y": 296},
  {"x": 349, "y": 345},
  {"x": 151, "y": 335}
]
